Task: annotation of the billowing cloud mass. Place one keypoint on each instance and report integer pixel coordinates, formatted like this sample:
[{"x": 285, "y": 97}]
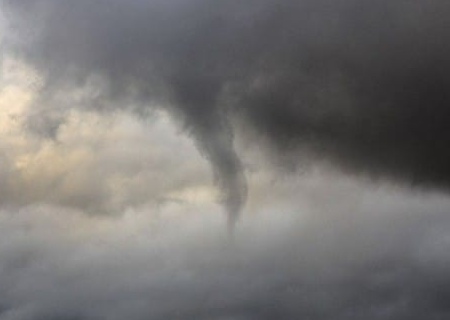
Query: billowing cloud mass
[
  {"x": 328, "y": 121},
  {"x": 362, "y": 83}
]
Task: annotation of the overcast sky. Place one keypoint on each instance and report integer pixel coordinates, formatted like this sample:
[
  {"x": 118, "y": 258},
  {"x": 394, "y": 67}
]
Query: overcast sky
[{"x": 224, "y": 160}]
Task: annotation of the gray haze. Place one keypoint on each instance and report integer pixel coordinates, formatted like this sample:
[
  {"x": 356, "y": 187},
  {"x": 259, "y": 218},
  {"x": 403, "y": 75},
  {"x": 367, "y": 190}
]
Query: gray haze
[{"x": 376, "y": 254}]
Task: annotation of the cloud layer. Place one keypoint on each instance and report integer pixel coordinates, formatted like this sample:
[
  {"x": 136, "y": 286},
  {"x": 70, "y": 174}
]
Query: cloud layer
[{"x": 383, "y": 256}]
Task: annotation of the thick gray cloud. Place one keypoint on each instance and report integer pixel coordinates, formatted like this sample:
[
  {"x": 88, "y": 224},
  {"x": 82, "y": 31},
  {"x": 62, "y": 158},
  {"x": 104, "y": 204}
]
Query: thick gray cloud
[{"x": 363, "y": 83}]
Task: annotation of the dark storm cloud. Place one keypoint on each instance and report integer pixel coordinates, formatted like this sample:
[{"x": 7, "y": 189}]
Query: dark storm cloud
[{"x": 363, "y": 83}]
